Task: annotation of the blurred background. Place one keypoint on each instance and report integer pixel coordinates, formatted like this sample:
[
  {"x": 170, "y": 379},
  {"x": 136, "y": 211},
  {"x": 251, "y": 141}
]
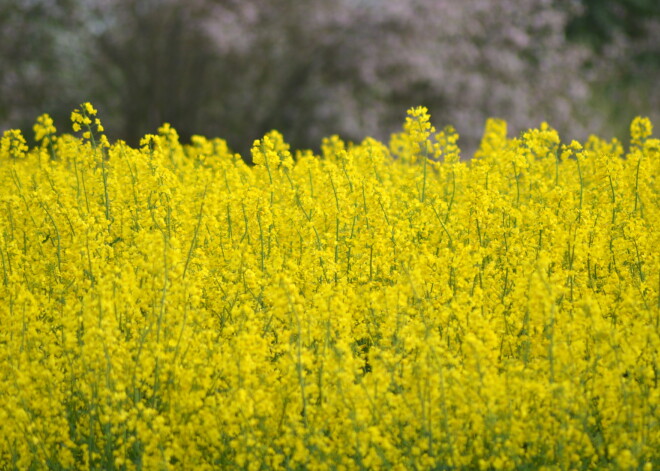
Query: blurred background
[{"x": 238, "y": 68}]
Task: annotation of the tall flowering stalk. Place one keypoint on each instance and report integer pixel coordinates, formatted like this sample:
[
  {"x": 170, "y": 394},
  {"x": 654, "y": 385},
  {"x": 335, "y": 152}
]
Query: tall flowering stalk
[{"x": 373, "y": 307}]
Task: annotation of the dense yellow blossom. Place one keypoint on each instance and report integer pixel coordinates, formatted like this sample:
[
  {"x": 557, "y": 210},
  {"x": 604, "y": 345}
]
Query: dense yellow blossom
[{"x": 374, "y": 307}]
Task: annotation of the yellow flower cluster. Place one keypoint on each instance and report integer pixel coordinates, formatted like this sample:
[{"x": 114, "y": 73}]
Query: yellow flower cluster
[
  {"x": 372, "y": 307},
  {"x": 13, "y": 145}
]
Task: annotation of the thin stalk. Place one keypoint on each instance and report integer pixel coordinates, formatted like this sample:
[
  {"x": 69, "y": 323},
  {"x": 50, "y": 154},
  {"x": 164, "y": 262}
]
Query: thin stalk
[
  {"x": 613, "y": 200},
  {"x": 637, "y": 199},
  {"x": 57, "y": 234},
  {"x": 106, "y": 195},
  {"x": 517, "y": 177},
  {"x": 579, "y": 168},
  {"x": 444, "y": 227},
  {"x": 193, "y": 242},
  {"x": 261, "y": 240},
  {"x": 453, "y": 194},
  {"x": 423, "y": 197}
]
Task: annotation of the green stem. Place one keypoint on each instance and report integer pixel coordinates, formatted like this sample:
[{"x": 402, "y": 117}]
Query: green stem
[
  {"x": 444, "y": 227},
  {"x": 194, "y": 239},
  {"x": 105, "y": 188},
  {"x": 57, "y": 234},
  {"x": 261, "y": 240},
  {"x": 637, "y": 200},
  {"x": 613, "y": 200},
  {"x": 517, "y": 177},
  {"x": 423, "y": 198},
  {"x": 579, "y": 168}
]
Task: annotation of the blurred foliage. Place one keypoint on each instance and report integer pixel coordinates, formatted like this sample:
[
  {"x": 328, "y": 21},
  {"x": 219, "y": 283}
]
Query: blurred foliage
[
  {"x": 238, "y": 69},
  {"x": 624, "y": 36},
  {"x": 601, "y": 20},
  {"x": 36, "y": 74}
]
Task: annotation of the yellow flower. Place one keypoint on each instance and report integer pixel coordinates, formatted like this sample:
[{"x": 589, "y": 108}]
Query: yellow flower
[{"x": 170, "y": 306}]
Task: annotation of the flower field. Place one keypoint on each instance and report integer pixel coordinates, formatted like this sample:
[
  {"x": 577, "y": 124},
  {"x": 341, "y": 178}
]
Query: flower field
[{"x": 373, "y": 307}]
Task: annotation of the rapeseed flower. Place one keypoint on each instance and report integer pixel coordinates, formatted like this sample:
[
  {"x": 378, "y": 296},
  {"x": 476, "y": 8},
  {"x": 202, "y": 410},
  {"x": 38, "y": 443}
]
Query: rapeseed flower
[{"x": 375, "y": 306}]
